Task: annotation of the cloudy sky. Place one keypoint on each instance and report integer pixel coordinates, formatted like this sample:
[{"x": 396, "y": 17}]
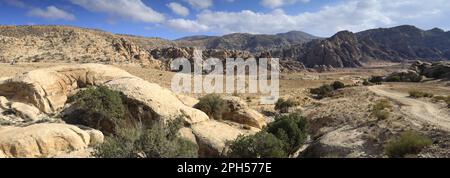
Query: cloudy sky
[{"x": 173, "y": 19}]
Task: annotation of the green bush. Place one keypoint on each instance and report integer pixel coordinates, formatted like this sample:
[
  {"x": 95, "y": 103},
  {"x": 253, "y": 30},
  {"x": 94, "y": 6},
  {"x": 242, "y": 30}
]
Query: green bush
[
  {"x": 394, "y": 79},
  {"x": 381, "y": 109},
  {"x": 338, "y": 85},
  {"x": 323, "y": 91},
  {"x": 419, "y": 94},
  {"x": 366, "y": 83},
  {"x": 408, "y": 143},
  {"x": 97, "y": 107},
  {"x": 213, "y": 105},
  {"x": 376, "y": 79},
  {"x": 283, "y": 106},
  {"x": 260, "y": 145},
  {"x": 158, "y": 141},
  {"x": 291, "y": 129}
]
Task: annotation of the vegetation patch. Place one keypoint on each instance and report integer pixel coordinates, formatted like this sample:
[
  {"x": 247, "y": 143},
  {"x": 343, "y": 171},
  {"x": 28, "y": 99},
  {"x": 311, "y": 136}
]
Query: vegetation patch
[
  {"x": 283, "y": 105},
  {"x": 278, "y": 140},
  {"x": 382, "y": 109},
  {"x": 97, "y": 107},
  {"x": 157, "y": 141},
  {"x": 419, "y": 94},
  {"x": 213, "y": 105},
  {"x": 408, "y": 143},
  {"x": 326, "y": 90}
]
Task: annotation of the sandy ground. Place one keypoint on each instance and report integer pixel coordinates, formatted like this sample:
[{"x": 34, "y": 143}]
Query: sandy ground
[{"x": 417, "y": 109}]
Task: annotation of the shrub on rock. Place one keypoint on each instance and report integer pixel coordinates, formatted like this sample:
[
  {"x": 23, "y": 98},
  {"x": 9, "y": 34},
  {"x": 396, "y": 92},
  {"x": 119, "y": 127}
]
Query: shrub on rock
[
  {"x": 291, "y": 129},
  {"x": 260, "y": 145},
  {"x": 97, "y": 107},
  {"x": 213, "y": 105}
]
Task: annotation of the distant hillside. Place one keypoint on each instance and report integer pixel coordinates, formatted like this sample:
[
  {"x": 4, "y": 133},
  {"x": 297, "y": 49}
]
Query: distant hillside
[
  {"x": 73, "y": 44},
  {"x": 347, "y": 49},
  {"x": 247, "y": 42}
]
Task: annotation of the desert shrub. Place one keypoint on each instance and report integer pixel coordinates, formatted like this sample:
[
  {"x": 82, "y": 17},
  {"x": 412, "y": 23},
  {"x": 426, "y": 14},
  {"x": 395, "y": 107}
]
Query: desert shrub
[
  {"x": 291, "y": 129},
  {"x": 381, "y": 109},
  {"x": 376, "y": 79},
  {"x": 395, "y": 78},
  {"x": 407, "y": 143},
  {"x": 366, "y": 83},
  {"x": 213, "y": 105},
  {"x": 323, "y": 91},
  {"x": 260, "y": 145},
  {"x": 419, "y": 94},
  {"x": 157, "y": 141},
  {"x": 338, "y": 85},
  {"x": 283, "y": 106},
  {"x": 97, "y": 107}
]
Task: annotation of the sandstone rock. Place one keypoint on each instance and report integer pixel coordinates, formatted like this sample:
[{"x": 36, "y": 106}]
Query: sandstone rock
[
  {"x": 156, "y": 103},
  {"x": 26, "y": 112},
  {"x": 212, "y": 137},
  {"x": 4, "y": 103},
  {"x": 187, "y": 134},
  {"x": 342, "y": 142},
  {"x": 47, "y": 89},
  {"x": 239, "y": 112},
  {"x": 438, "y": 70},
  {"x": 42, "y": 140},
  {"x": 96, "y": 137},
  {"x": 187, "y": 100}
]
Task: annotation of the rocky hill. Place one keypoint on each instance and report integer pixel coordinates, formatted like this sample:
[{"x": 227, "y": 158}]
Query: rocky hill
[
  {"x": 72, "y": 44},
  {"x": 347, "y": 49},
  {"x": 247, "y": 42}
]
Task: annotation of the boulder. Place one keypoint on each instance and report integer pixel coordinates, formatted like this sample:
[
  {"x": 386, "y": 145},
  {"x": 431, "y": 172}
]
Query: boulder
[
  {"x": 42, "y": 140},
  {"x": 3, "y": 103},
  {"x": 213, "y": 136},
  {"x": 150, "y": 101},
  {"x": 26, "y": 112},
  {"x": 238, "y": 111}
]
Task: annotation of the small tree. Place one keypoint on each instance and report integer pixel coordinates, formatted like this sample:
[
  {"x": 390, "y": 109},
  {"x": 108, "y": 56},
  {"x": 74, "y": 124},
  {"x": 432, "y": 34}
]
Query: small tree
[
  {"x": 407, "y": 143},
  {"x": 260, "y": 145},
  {"x": 283, "y": 106},
  {"x": 376, "y": 80},
  {"x": 291, "y": 129},
  {"x": 97, "y": 107},
  {"x": 213, "y": 105},
  {"x": 323, "y": 91},
  {"x": 338, "y": 85}
]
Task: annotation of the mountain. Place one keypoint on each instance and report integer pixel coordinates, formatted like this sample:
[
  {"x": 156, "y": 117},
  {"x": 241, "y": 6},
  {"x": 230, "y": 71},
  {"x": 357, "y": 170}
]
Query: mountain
[
  {"x": 247, "y": 42},
  {"x": 347, "y": 49}
]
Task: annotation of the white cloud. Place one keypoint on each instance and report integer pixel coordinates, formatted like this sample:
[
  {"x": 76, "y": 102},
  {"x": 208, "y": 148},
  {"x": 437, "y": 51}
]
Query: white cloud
[
  {"x": 129, "y": 9},
  {"x": 51, "y": 12},
  {"x": 200, "y": 4},
  {"x": 353, "y": 15},
  {"x": 178, "y": 9},
  {"x": 186, "y": 25},
  {"x": 279, "y": 3}
]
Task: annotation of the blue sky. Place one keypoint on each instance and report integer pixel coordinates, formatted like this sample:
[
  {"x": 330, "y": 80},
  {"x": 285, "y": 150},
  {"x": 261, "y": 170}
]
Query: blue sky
[{"x": 173, "y": 19}]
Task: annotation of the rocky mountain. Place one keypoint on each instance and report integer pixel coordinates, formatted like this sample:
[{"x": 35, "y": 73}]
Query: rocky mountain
[
  {"x": 72, "y": 44},
  {"x": 347, "y": 49},
  {"x": 247, "y": 42}
]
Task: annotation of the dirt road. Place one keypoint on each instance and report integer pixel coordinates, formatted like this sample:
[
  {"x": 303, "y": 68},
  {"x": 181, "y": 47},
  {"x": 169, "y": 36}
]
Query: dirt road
[{"x": 417, "y": 109}]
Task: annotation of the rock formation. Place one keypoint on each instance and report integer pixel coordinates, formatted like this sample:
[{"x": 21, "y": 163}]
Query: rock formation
[{"x": 44, "y": 92}]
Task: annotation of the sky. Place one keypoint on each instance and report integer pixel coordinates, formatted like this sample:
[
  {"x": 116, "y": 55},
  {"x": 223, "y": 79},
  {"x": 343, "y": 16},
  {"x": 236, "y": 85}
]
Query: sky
[{"x": 173, "y": 19}]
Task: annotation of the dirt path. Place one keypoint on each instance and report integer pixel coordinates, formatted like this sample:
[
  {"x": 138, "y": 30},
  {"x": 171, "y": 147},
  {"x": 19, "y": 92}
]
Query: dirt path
[{"x": 417, "y": 109}]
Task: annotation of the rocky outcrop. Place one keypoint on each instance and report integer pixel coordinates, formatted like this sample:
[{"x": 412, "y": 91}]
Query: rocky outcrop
[
  {"x": 45, "y": 92},
  {"x": 438, "y": 70},
  {"x": 239, "y": 112},
  {"x": 45, "y": 140},
  {"x": 404, "y": 76},
  {"x": 212, "y": 137},
  {"x": 339, "y": 51}
]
